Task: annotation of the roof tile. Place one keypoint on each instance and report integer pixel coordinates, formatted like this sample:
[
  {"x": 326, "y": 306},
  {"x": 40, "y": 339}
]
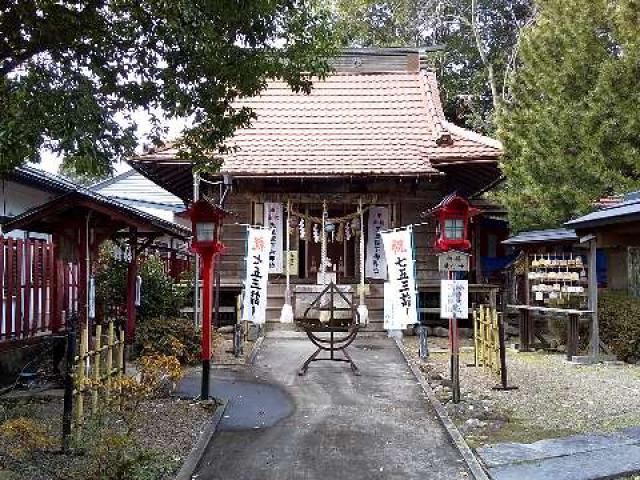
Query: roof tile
[{"x": 350, "y": 124}]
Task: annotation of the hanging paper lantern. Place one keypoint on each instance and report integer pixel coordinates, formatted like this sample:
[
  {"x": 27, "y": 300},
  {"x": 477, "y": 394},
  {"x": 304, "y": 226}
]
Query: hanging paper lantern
[
  {"x": 302, "y": 229},
  {"x": 316, "y": 233}
]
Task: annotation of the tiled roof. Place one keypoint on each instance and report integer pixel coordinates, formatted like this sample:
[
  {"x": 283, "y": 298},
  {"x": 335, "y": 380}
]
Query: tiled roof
[
  {"x": 388, "y": 123},
  {"x": 556, "y": 235},
  {"x": 622, "y": 212},
  {"x": 72, "y": 192}
]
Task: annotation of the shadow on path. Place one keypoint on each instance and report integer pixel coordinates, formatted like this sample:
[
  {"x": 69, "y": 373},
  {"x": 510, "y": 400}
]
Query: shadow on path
[{"x": 329, "y": 424}]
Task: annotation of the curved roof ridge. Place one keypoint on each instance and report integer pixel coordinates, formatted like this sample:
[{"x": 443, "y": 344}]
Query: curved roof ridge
[{"x": 474, "y": 136}]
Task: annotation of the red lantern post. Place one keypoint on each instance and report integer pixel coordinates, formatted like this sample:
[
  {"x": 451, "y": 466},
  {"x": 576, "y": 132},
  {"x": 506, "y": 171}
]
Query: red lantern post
[
  {"x": 452, "y": 216},
  {"x": 206, "y": 224}
]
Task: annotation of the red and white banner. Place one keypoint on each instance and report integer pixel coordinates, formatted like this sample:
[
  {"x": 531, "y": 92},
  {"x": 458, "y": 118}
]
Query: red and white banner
[
  {"x": 254, "y": 305},
  {"x": 398, "y": 248}
]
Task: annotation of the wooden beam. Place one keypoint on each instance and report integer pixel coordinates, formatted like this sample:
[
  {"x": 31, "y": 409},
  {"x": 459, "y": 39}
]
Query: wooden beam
[
  {"x": 593, "y": 299},
  {"x": 132, "y": 273}
]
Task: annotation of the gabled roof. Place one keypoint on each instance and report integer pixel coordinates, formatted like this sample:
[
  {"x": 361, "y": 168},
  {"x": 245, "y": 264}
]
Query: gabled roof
[
  {"x": 556, "y": 235},
  {"x": 133, "y": 188},
  {"x": 47, "y": 181},
  {"x": 353, "y": 123},
  {"x": 43, "y": 218},
  {"x": 387, "y": 123},
  {"x": 622, "y": 212}
]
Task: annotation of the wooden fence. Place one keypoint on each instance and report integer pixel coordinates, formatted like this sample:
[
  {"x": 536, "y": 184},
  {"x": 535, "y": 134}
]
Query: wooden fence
[
  {"x": 489, "y": 344},
  {"x": 486, "y": 336},
  {"x": 30, "y": 303},
  {"x": 96, "y": 371}
]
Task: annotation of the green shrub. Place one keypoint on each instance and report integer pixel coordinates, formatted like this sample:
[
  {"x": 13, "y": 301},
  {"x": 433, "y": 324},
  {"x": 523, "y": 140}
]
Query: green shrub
[
  {"x": 619, "y": 319},
  {"x": 159, "y": 298},
  {"x": 169, "y": 336}
]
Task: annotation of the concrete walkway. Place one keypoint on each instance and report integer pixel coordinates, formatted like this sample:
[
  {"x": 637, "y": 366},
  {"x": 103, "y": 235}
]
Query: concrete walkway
[{"x": 329, "y": 424}]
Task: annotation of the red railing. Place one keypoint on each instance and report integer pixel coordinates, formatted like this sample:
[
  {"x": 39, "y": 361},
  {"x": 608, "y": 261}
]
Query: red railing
[{"x": 30, "y": 303}]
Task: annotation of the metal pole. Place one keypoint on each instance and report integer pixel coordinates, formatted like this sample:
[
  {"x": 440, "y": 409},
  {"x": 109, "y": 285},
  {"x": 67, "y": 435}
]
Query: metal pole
[
  {"x": 196, "y": 267},
  {"x": 362, "y": 260},
  {"x": 455, "y": 352},
  {"x": 424, "y": 348},
  {"x": 67, "y": 409},
  {"x": 207, "y": 271}
]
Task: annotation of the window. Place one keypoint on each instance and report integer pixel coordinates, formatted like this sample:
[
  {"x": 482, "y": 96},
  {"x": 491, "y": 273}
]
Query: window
[{"x": 454, "y": 228}]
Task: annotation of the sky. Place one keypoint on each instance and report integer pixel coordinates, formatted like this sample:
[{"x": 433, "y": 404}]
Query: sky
[{"x": 51, "y": 162}]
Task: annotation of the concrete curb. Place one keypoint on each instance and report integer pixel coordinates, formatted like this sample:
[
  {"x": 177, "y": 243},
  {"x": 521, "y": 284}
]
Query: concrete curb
[
  {"x": 254, "y": 353},
  {"x": 456, "y": 437},
  {"x": 193, "y": 459}
]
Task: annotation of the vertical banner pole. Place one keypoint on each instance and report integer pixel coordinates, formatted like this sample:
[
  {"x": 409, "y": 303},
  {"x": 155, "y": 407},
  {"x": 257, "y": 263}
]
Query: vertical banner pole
[
  {"x": 286, "y": 315},
  {"x": 455, "y": 351},
  {"x": 207, "y": 261},
  {"x": 363, "y": 312},
  {"x": 323, "y": 245},
  {"x": 196, "y": 261}
]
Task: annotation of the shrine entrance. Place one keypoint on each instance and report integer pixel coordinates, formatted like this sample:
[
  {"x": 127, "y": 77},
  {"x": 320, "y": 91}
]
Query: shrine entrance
[{"x": 341, "y": 245}]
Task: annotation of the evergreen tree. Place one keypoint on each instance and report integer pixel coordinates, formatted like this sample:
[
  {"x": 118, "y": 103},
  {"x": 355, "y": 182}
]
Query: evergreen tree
[
  {"x": 478, "y": 38},
  {"x": 572, "y": 128}
]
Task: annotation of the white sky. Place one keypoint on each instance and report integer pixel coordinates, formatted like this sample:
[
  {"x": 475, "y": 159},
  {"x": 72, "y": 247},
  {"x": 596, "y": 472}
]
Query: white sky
[{"x": 51, "y": 162}]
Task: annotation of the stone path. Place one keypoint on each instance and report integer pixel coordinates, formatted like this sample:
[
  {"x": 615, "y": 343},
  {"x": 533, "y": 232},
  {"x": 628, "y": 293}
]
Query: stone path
[
  {"x": 579, "y": 457},
  {"x": 329, "y": 424}
]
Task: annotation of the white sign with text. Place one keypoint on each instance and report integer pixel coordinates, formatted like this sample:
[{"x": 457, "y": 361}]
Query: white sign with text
[
  {"x": 273, "y": 220},
  {"x": 454, "y": 299},
  {"x": 254, "y": 304}
]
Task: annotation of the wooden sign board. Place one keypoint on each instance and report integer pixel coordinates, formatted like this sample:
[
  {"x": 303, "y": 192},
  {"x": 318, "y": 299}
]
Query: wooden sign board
[
  {"x": 453, "y": 261},
  {"x": 293, "y": 257}
]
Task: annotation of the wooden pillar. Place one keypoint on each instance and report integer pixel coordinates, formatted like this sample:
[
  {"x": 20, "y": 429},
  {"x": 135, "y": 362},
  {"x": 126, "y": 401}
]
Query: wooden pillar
[
  {"x": 83, "y": 275},
  {"x": 524, "y": 330},
  {"x": 55, "y": 289},
  {"x": 572, "y": 336},
  {"x": 593, "y": 298},
  {"x": 132, "y": 273},
  {"x": 477, "y": 251}
]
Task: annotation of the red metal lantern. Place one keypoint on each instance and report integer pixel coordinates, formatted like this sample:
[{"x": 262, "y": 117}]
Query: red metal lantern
[
  {"x": 452, "y": 216},
  {"x": 206, "y": 223}
]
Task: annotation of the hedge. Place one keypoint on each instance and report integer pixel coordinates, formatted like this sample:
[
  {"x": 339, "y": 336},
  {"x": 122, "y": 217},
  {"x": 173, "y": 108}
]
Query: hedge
[{"x": 619, "y": 319}]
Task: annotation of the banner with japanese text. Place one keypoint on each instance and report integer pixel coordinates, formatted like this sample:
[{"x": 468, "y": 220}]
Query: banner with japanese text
[
  {"x": 375, "y": 264},
  {"x": 398, "y": 248},
  {"x": 254, "y": 305},
  {"x": 273, "y": 220}
]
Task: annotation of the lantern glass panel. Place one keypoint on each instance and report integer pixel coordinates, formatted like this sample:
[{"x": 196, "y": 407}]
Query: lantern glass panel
[
  {"x": 454, "y": 228},
  {"x": 205, "y": 231}
]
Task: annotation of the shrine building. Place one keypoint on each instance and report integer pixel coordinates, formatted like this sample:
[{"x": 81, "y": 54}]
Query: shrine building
[{"x": 368, "y": 149}]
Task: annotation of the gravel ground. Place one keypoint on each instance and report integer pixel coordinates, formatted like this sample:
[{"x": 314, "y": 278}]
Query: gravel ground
[
  {"x": 554, "y": 398},
  {"x": 173, "y": 429},
  {"x": 222, "y": 350}
]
